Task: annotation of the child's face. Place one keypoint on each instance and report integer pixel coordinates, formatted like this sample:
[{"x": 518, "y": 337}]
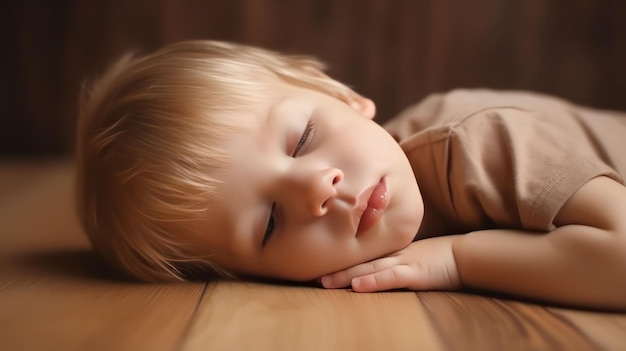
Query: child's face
[{"x": 294, "y": 205}]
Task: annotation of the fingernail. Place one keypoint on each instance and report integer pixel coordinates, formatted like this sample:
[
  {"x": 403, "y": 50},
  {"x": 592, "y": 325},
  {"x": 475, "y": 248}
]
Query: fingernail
[{"x": 355, "y": 283}]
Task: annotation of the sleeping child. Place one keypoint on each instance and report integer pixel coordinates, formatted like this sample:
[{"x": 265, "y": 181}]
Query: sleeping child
[{"x": 209, "y": 159}]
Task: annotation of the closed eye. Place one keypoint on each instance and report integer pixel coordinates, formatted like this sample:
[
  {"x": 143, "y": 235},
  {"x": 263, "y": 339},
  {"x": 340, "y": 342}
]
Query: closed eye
[
  {"x": 269, "y": 229},
  {"x": 308, "y": 131}
]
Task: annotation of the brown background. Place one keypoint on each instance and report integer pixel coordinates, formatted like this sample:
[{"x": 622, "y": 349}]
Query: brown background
[{"x": 394, "y": 51}]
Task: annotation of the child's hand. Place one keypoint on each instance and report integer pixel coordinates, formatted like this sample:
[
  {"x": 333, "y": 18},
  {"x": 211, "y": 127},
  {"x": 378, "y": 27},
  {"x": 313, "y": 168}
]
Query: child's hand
[{"x": 426, "y": 264}]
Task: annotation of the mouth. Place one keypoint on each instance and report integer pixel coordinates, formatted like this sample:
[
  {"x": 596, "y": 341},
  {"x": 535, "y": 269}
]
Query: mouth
[{"x": 377, "y": 201}]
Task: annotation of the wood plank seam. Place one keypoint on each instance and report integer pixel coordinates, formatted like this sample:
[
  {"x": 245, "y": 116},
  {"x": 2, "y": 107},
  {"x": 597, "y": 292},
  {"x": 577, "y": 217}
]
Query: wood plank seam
[{"x": 192, "y": 320}]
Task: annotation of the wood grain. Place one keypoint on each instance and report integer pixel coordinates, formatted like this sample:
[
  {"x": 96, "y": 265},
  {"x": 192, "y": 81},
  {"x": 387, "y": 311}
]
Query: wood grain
[
  {"x": 246, "y": 316},
  {"x": 54, "y": 293},
  {"x": 44, "y": 310},
  {"x": 607, "y": 330},
  {"x": 470, "y": 322}
]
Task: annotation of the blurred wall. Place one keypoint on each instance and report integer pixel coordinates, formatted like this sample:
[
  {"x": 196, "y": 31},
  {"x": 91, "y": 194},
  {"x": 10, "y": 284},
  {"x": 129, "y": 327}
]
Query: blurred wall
[{"x": 394, "y": 51}]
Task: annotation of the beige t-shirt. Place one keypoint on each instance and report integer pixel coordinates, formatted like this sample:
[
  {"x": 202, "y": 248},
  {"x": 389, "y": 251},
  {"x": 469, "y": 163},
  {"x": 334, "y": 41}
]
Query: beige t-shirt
[{"x": 486, "y": 159}]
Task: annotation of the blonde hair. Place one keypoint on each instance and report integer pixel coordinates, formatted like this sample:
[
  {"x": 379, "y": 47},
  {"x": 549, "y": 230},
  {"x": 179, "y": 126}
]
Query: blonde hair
[{"x": 148, "y": 147}]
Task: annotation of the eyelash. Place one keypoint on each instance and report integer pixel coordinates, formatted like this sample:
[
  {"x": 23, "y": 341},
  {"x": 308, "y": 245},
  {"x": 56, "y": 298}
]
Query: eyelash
[
  {"x": 308, "y": 130},
  {"x": 270, "y": 226}
]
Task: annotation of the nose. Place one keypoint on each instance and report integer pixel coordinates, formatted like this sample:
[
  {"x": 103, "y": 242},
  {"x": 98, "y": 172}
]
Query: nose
[{"x": 311, "y": 190}]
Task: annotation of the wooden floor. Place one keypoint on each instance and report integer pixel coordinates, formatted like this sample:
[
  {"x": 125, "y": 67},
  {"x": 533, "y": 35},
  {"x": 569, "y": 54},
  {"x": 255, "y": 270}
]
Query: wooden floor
[{"x": 55, "y": 295}]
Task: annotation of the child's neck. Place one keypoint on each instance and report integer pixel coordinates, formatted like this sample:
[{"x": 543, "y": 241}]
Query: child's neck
[{"x": 436, "y": 224}]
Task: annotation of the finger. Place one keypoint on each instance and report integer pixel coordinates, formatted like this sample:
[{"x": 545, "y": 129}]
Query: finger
[
  {"x": 395, "y": 277},
  {"x": 344, "y": 278}
]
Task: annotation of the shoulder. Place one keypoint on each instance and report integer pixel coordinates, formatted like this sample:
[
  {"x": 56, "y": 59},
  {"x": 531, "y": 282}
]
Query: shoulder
[{"x": 451, "y": 108}]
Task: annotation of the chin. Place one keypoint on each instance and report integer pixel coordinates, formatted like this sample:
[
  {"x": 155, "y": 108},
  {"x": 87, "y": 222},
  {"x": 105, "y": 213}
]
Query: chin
[
  {"x": 404, "y": 239},
  {"x": 413, "y": 222},
  {"x": 406, "y": 229}
]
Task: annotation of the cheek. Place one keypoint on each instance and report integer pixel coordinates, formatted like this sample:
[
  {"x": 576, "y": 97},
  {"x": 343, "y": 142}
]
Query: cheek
[
  {"x": 303, "y": 262},
  {"x": 373, "y": 143},
  {"x": 307, "y": 243},
  {"x": 312, "y": 249}
]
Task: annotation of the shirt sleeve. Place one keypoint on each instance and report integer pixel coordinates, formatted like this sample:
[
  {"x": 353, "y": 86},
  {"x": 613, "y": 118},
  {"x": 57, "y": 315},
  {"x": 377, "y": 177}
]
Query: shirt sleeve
[
  {"x": 516, "y": 167},
  {"x": 492, "y": 160}
]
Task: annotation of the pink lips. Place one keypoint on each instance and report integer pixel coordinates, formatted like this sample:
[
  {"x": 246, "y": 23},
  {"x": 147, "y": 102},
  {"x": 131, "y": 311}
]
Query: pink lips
[{"x": 376, "y": 204}]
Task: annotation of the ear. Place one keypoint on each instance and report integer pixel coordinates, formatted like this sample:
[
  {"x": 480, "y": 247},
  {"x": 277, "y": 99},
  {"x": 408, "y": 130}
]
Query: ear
[{"x": 361, "y": 104}]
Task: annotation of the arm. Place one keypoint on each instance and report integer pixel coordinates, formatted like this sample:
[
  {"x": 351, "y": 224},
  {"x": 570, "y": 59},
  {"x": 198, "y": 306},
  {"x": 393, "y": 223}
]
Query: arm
[{"x": 582, "y": 262}]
